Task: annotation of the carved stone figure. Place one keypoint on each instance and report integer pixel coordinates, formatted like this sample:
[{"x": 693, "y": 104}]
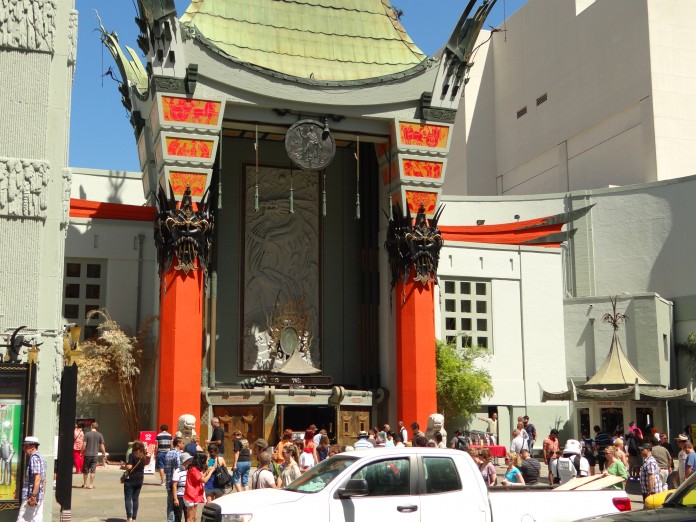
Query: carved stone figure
[
  {"x": 436, "y": 422},
  {"x": 6, "y": 454},
  {"x": 67, "y": 189},
  {"x": 413, "y": 245},
  {"x": 187, "y": 423}
]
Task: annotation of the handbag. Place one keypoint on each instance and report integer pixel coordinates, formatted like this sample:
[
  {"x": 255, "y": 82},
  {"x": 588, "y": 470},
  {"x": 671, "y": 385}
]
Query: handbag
[
  {"x": 222, "y": 476},
  {"x": 126, "y": 474}
]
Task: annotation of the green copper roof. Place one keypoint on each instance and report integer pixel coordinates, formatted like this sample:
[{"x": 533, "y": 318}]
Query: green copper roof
[{"x": 324, "y": 40}]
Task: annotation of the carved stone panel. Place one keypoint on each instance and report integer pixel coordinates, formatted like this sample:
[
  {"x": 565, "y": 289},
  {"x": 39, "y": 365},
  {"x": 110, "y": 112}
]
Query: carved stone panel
[
  {"x": 281, "y": 268},
  {"x": 23, "y": 187},
  {"x": 28, "y": 24}
]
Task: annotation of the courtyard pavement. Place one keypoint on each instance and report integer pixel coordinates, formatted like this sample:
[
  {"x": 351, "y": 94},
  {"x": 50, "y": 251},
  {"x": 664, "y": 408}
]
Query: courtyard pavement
[{"x": 105, "y": 502}]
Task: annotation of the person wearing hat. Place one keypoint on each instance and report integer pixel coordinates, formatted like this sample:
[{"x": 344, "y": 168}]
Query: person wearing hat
[
  {"x": 34, "y": 485},
  {"x": 261, "y": 446},
  {"x": 572, "y": 464},
  {"x": 179, "y": 485},
  {"x": 650, "y": 478},
  {"x": 362, "y": 442},
  {"x": 681, "y": 440}
]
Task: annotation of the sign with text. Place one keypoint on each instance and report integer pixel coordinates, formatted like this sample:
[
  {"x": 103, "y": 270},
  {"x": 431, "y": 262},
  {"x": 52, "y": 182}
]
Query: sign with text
[{"x": 149, "y": 438}]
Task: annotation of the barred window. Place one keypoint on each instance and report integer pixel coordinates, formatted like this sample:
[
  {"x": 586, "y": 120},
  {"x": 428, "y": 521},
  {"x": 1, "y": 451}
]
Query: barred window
[
  {"x": 466, "y": 312},
  {"x": 84, "y": 290}
]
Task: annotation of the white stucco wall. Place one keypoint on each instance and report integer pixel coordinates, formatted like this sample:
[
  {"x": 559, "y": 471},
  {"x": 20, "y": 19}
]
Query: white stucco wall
[
  {"x": 621, "y": 98},
  {"x": 527, "y": 312},
  {"x": 110, "y": 186}
]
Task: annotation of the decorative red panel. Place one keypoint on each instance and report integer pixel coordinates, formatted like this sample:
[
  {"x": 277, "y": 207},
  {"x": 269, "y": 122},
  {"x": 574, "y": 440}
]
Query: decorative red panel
[
  {"x": 190, "y": 148},
  {"x": 185, "y": 110},
  {"x": 414, "y": 200},
  {"x": 181, "y": 180},
  {"x": 422, "y": 168},
  {"x": 423, "y": 135}
]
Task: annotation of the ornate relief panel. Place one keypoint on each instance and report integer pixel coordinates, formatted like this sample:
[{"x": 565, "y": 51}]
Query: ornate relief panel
[
  {"x": 281, "y": 268},
  {"x": 23, "y": 187},
  {"x": 28, "y": 24}
]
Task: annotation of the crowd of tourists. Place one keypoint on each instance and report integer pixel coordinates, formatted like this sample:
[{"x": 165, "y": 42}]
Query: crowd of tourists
[{"x": 631, "y": 455}]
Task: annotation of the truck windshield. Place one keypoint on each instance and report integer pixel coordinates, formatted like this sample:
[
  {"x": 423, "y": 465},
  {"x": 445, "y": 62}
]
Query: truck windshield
[
  {"x": 685, "y": 496},
  {"x": 321, "y": 475}
]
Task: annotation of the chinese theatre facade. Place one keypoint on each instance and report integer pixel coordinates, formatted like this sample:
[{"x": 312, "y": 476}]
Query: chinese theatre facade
[{"x": 295, "y": 152}]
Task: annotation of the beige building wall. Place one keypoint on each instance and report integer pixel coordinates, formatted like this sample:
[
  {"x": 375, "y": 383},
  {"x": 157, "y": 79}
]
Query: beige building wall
[{"x": 581, "y": 95}]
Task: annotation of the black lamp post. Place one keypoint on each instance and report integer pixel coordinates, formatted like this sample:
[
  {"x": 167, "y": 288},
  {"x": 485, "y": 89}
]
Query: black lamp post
[{"x": 66, "y": 423}]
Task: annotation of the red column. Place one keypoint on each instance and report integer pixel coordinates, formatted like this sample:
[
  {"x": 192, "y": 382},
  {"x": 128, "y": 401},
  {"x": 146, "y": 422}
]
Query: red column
[
  {"x": 415, "y": 353},
  {"x": 180, "y": 339}
]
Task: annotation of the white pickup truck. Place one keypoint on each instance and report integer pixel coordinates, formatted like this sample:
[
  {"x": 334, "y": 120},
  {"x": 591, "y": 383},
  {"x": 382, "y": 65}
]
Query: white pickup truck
[{"x": 409, "y": 485}]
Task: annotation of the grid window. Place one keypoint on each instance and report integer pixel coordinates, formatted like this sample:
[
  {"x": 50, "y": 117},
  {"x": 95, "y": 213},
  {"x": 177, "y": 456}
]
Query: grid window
[
  {"x": 466, "y": 312},
  {"x": 85, "y": 285}
]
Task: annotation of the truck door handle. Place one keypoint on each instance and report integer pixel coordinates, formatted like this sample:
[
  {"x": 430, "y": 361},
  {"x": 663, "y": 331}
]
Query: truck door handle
[{"x": 407, "y": 509}]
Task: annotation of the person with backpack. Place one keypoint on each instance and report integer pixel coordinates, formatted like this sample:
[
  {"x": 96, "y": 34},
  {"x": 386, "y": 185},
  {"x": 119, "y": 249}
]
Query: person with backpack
[
  {"x": 588, "y": 450},
  {"x": 458, "y": 442},
  {"x": 634, "y": 458},
  {"x": 213, "y": 488},
  {"x": 572, "y": 464}
]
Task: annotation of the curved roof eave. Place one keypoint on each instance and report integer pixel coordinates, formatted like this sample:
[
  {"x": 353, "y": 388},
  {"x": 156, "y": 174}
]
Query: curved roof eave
[{"x": 395, "y": 90}]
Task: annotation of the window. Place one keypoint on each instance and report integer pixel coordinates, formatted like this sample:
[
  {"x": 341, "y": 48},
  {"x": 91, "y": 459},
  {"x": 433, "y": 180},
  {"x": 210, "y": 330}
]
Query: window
[
  {"x": 386, "y": 477},
  {"x": 441, "y": 475},
  {"x": 466, "y": 312},
  {"x": 85, "y": 285}
]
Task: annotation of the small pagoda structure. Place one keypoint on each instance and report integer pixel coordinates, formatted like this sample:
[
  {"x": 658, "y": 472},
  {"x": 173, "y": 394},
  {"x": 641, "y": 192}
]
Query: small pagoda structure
[{"x": 617, "y": 390}]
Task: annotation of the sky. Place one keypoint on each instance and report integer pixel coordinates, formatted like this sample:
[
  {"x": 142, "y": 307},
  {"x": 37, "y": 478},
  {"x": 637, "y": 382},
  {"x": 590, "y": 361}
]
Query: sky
[{"x": 101, "y": 136}]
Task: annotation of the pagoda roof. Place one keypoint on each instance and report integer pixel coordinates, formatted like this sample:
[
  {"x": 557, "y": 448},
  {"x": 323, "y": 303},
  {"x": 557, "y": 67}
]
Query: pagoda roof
[
  {"x": 318, "y": 40},
  {"x": 617, "y": 369}
]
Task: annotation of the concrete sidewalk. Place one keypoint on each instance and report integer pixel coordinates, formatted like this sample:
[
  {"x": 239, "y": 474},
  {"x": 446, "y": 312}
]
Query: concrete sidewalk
[{"x": 105, "y": 503}]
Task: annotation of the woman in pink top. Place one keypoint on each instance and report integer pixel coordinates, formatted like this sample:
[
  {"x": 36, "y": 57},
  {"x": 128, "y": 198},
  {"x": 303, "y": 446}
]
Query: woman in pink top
[
  {"x": 79, "y": 437},
  {"x": 195, "y": 483}
]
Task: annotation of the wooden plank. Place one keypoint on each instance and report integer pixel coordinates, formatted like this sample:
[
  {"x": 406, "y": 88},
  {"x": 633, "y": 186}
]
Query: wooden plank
[{"x": 591, "y": 483}]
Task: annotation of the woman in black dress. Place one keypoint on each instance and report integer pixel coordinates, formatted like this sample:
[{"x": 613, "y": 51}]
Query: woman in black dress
[{"x": 134, "y": 482}]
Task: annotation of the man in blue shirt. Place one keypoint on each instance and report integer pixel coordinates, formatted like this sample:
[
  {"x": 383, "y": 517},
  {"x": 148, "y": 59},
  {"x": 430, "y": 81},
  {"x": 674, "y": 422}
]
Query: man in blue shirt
[
  {"x": 172, "y": 460},
  {"x": 31, "y": 508},
  {"x": 690, "y": 464},
  {"x": 602, "y": 441},
  {"x": 164, "y": 444}
]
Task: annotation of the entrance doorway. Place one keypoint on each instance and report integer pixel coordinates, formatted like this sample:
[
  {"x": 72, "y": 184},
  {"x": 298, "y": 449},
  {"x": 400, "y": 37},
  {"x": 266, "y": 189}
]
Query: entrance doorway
[
  {"x": 298, "y": 418},
  {"x": 645, "y": 420},
  {"x": 611, "y": 419}
]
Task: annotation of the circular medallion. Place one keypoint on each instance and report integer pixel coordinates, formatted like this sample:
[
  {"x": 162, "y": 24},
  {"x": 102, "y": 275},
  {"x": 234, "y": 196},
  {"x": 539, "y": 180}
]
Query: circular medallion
[
  {"x": 309, "y": 145},
  {"x": 289, "y": 340}
]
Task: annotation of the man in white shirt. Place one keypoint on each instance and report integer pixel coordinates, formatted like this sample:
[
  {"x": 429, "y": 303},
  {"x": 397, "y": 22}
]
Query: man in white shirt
[
  {"x": 491, "y": 426},
  {"x": 517, "y": 441},
  {"x": 263, "y": 477},
  {"x": 403, "y": 432},
  {"x": 681, "y": 439},
  {"x": 571, "y": 464}
]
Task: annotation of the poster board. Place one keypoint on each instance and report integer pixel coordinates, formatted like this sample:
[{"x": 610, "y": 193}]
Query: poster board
[
  {"x": 149, "y": 438},
  {"x": 14, "y": 419}
]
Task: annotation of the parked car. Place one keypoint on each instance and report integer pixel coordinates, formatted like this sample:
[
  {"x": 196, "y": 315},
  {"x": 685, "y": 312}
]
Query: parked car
[
  {"x": 680, "y": 506},
  {"x": 411, "y": 484}
]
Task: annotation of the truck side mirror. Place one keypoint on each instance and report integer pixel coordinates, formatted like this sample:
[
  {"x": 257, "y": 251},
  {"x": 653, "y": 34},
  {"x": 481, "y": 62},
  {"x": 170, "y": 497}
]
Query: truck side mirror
[{"x": 354, "y": 488}]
